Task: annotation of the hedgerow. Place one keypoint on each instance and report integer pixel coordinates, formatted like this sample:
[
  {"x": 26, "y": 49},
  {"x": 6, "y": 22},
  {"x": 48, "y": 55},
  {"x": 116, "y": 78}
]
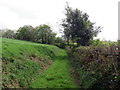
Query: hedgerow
[{"x": 97, "y": 66}]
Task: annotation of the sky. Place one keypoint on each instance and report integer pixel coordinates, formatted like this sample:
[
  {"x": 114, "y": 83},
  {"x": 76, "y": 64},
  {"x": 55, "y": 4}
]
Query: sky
[{"x": 17, "y": 13}]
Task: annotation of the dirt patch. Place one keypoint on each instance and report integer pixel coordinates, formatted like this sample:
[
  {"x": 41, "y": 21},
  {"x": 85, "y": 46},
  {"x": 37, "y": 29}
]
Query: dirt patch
[
  {"x": 44, "y": 64},
  {"x": 34, "y": 59}
]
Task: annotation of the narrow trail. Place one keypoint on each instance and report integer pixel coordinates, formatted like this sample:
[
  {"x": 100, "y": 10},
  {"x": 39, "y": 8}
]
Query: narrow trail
[
  {"x": 56, "y": 76},
  {"x": 75, "y": 75}
]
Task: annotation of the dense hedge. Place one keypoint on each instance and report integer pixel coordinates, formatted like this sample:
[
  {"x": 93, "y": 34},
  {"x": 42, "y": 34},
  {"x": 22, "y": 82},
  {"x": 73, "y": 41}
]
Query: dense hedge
[{"x": 97, "y": 66}]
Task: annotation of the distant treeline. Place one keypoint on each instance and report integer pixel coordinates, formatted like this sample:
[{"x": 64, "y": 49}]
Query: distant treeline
[{"x": 40, "y": 34}]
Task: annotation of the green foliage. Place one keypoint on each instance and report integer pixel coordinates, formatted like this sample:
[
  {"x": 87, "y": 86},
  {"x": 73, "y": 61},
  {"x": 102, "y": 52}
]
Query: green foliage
[
  {"x": 110, "y": 43},
  {"x": 60, "y": 42},
  {"x": 8, "y": 34},
  {"x": 78, "y": 28},
  {"x": 26, "y": 32},
  {"x": 40, "y": 34},
  {"x": 44, "y": 34},
  {"x": 97, "y": 42},
  {"x": 97, "y": 66}
]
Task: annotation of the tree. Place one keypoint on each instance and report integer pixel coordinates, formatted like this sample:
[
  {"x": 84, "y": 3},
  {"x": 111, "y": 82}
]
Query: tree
[
  {"x": 8, "y": 34},
  {"x": 25, "y": 33},
  {"x": 78, "y": 28},
  {"x": 44, "y": 34}
]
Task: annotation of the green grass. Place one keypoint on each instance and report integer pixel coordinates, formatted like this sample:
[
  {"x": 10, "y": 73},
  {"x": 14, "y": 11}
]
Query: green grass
[
  {"x": 22, "y": 63},
  {"x": 56, "y": 76}
]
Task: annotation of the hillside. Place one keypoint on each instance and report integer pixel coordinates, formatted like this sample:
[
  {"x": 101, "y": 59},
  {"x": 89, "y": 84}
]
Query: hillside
[{"x": 25, "y": 64}]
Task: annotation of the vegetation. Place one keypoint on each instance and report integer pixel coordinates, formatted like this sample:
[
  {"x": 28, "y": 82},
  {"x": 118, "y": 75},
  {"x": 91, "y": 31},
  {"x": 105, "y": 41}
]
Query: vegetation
[
  {"x": 97, "y": 42},
  {"x": 22, "y": 61},
  {"x": 41, "y": 34},
  {"x": 98, "y": 66},
  {"x": 56, "y": 76},
  {"x": 8, "y": 34},
  {"x": 26, "y": 32},
  {"x": 78, "y": 28},
  {"x": 30, "y": 62}
]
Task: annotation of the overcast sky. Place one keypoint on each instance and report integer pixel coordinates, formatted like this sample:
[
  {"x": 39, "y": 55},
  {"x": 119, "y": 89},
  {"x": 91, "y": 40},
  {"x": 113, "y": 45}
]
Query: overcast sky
[{"x": 17, "y": 13}]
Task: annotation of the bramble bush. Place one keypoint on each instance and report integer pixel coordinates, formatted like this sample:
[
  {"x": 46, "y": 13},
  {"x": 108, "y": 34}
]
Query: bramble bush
[{"x": 97, "y": 66}]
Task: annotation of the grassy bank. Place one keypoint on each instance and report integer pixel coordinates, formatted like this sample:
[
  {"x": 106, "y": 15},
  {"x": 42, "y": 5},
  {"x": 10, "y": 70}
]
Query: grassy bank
[
  {"x": 27, "y": 64},
  {"x": 22, "y": 61}
]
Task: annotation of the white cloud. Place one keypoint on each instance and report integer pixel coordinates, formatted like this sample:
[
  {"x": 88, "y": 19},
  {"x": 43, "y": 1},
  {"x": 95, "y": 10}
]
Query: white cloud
[{"x": 16, "y": 13}]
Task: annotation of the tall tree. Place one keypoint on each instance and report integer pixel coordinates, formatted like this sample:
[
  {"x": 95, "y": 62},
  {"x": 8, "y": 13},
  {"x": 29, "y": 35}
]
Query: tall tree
[{"x": 78, "y": 27}]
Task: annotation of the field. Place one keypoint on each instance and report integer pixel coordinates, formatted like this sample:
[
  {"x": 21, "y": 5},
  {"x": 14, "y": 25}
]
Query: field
[{"x": 25, "y": 64}]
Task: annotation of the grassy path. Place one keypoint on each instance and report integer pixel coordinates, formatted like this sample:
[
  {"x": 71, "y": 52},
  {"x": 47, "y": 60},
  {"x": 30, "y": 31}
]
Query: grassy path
[{"x": 56, "y": 76}]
